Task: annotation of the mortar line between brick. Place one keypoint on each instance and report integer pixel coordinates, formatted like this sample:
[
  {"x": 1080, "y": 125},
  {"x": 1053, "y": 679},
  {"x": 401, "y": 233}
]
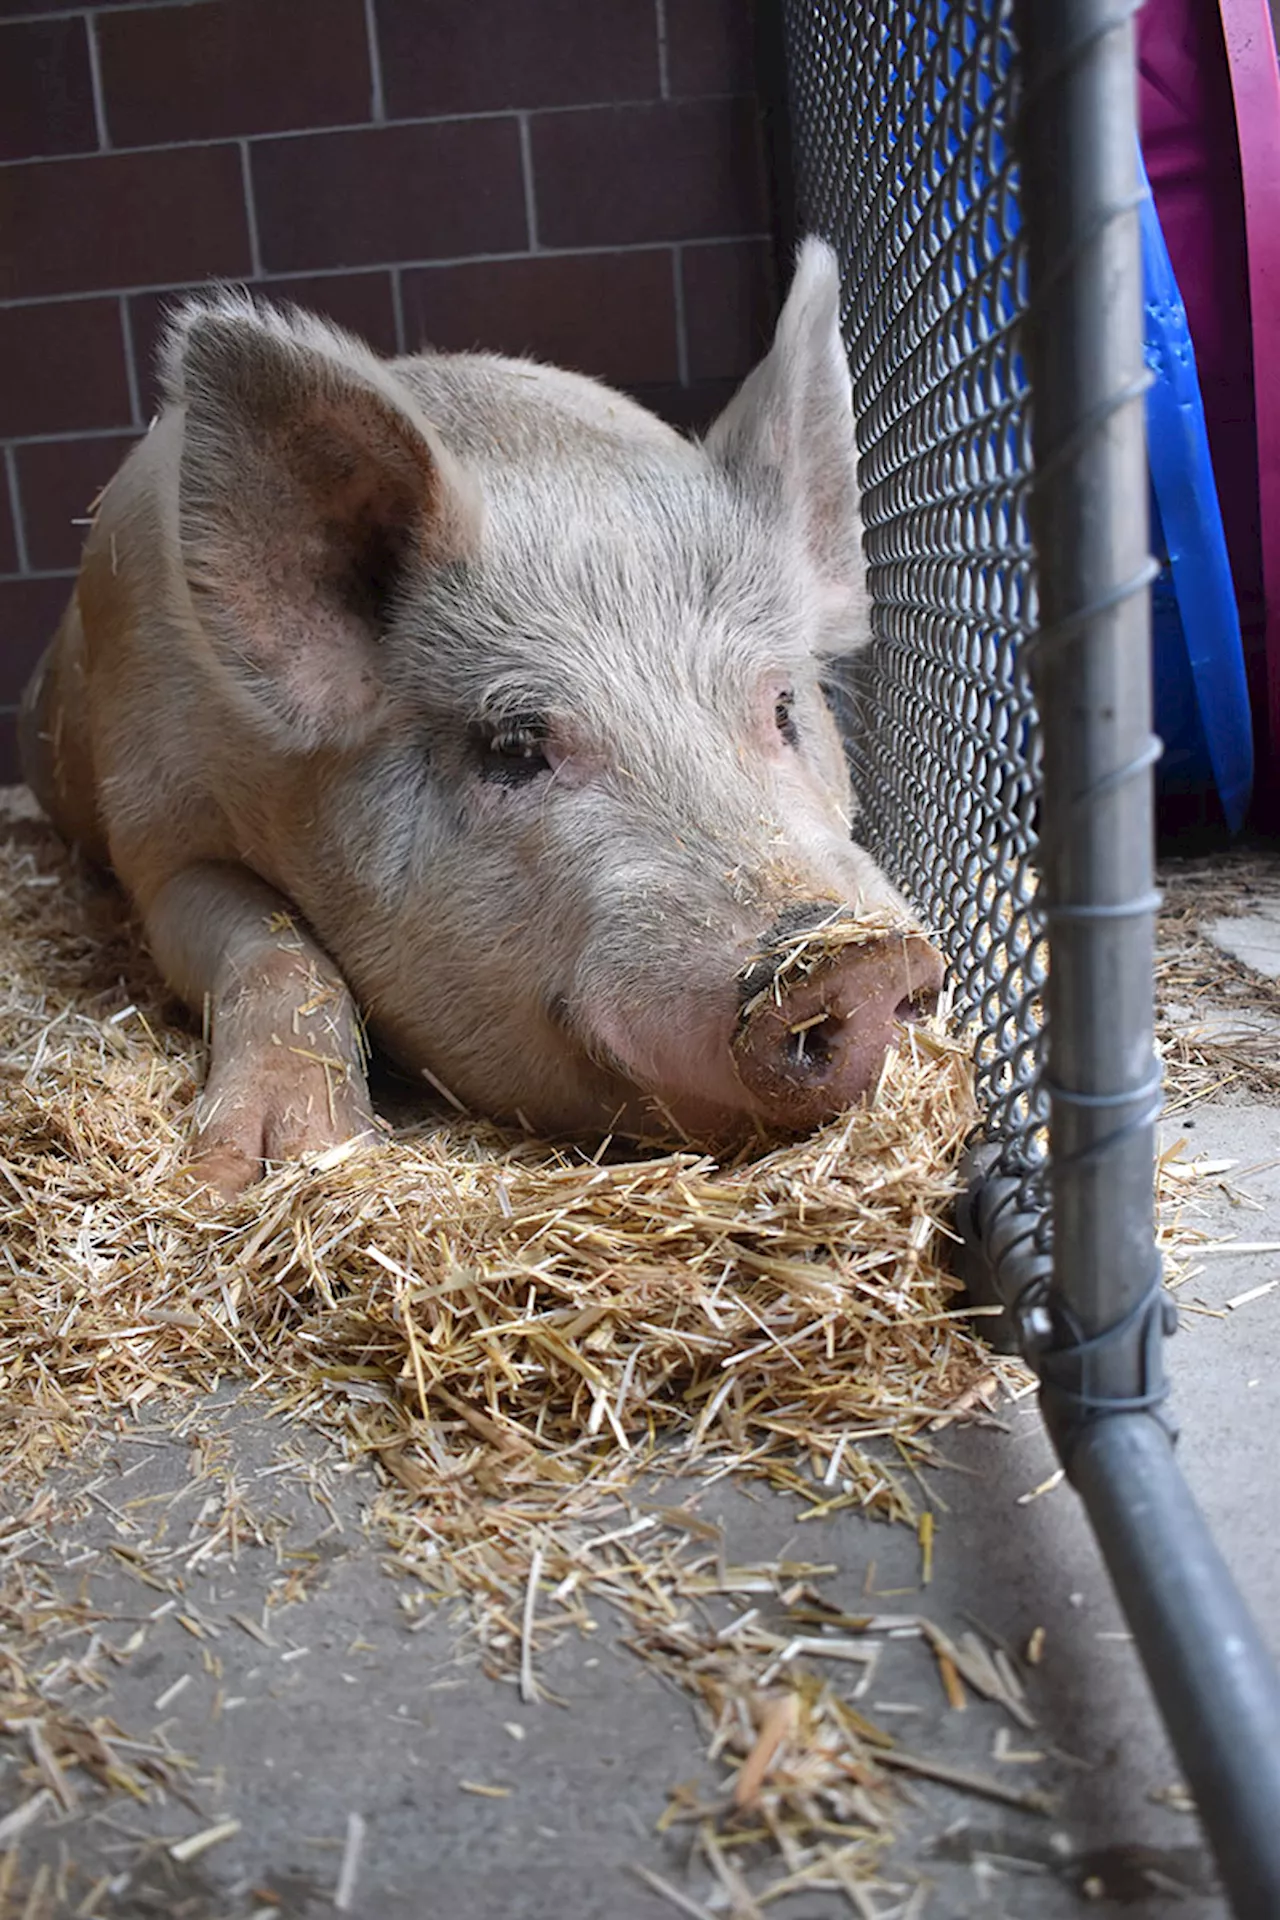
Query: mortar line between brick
[
  {"x": 15, "y": 510},
  {"x": 250, "y": 210},
  {"x": 363, "y": 126},
  {"x": 125, "y": 428},
  {"x": 682, "y": 336},
  {"x": 397, "y": 309},
  {"x": 377, "y": 92},
  {"x": 349, "y": 269},
  {"x": 38, "y": 573},
  {"x": 95, "y": 81},
  {"x": 70, "y": 7},
  {"x": 664, "y": 73},
  {"x": 130, "y": 364},
  {"x": 526, "y": 168}
]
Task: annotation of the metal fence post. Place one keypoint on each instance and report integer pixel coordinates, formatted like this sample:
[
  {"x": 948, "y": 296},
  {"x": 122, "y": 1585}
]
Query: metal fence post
[{"x": 1099, "y": 1348}]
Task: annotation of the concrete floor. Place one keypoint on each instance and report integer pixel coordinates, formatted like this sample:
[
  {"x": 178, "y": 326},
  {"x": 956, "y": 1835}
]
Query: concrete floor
[{"x": 349, "y": 1712}]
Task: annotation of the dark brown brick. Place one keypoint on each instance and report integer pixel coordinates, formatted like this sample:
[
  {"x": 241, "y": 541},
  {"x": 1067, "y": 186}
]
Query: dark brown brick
[
  {"x": 729, "y": 305},
  {"x": 392, "y": 193},
  {"x": 120, "y": 220},
  {"x": 8, "y": 8},
  {"x": 490, "y": 54},
  {"x": 691, "y": 409},
  {"x": 57, "y": 482},
  {"x": 10, "y": 771},
  {"x": 8, "y": 539},
  {"x": 610, "y": 314},
  {"x": 686, "y": 171},
  {"x": 243, "y": 66},
  {"x": 29, "y": 612},
  {"x": 62, "y": 368},
  {"x": 361, "y": 302},
  {"x": 710, "y": 47},
  {"x": 46, "y": 91}
]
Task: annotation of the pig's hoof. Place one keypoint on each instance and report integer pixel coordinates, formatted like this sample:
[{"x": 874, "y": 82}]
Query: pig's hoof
[
  {"x": 249, "y": 1122},
  {"x": 218, "y": 1173}
]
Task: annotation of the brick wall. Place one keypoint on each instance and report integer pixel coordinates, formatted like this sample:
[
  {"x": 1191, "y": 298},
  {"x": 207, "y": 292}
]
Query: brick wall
[{"x": 578, "y": 179}]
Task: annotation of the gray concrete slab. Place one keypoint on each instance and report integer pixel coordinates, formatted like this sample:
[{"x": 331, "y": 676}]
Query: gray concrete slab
[
  {"x": 1253, "y": 937},
  {"x": 348, "y": 1711}
]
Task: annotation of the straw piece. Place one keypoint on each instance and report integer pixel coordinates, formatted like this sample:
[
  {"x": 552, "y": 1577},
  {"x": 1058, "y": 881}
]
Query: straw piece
[
  {"x": 528, "y": 1685},
  {"x": 344, "y": 1893},
  {"x": 951, "y": 1684},
  {"x": 197, "y": 1843},
  {"x": 779, "y": 1721},
  {"x": 1254, "y": 1293},
  {"x": 679, "y": 1900},
  {"x": 966, "y": 1782},
  {"x": 15, "y": 1824}
]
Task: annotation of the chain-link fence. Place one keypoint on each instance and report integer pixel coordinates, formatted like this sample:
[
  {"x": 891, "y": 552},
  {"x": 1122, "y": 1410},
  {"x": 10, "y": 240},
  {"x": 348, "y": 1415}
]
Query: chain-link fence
[
  {"x": 956, "y": 263},
  {"x": 899, "y": 121}
]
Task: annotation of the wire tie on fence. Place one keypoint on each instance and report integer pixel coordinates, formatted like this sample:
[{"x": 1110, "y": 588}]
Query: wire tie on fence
[
  {"x": 1067, "y": 1369},
  {"x": 1070, "y": 625},
  {"x": 1085, "y": 801},
  {"x": 1148, "y": 1089},
  {"x": 1096, "y": 1150},
  {"x": 1116, "y": 910},
  {"x": 1071, "y": 56},
  {"x": 1092, "y": 233}
]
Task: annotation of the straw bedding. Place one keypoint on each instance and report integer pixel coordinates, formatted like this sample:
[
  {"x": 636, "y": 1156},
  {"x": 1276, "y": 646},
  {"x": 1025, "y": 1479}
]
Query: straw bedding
[
  {"x": 513, "y": 1333},
  {"x": 485, "y": 1310}
]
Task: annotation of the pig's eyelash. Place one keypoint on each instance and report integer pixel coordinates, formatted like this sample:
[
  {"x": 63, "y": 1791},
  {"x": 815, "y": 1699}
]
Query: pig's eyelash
[
  {"x": 784, "y": 717},
  {"x": 511, "y": 751}
]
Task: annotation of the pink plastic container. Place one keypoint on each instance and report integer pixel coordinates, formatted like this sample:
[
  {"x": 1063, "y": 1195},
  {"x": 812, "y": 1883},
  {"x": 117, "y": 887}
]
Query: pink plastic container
[{"x": 1210, "y": 112}]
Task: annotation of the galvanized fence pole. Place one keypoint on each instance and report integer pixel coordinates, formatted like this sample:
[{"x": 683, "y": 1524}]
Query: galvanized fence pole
[{"x": 1099, "y": 1348}]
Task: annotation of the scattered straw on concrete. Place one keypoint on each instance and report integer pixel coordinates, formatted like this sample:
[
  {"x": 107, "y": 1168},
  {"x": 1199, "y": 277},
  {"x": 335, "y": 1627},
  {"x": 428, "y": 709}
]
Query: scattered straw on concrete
[
  {"x": 515, "y": 1334},
  {"x": 1218, "y": 1020}
]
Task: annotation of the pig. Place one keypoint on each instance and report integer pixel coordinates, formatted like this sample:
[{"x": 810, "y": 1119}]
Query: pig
[{"x": 459, "y": 699}]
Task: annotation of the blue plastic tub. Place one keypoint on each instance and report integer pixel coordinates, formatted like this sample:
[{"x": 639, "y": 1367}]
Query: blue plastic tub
[{"x": 1201, "y": 697}]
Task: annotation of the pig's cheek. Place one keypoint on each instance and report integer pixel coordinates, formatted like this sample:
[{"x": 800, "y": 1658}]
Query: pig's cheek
[
  {"x": 678, "y": 1052},
  {"x": 506, "y": 811},
  {"x": 814, "y": 815}
]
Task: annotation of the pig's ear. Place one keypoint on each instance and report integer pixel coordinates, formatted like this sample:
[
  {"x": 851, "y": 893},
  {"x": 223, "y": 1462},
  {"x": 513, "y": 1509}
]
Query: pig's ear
[
  {"x": 310, "y": 487},
  {"x": 789, "y": 430}
]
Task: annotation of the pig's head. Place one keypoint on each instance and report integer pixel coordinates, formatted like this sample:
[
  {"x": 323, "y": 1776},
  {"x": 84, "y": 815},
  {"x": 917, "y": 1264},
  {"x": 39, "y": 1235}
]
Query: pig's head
[{"x": 579, "y": 831}]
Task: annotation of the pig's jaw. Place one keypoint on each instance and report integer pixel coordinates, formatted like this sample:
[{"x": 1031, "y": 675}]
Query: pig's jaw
[{"x": 684, "y": 1080}]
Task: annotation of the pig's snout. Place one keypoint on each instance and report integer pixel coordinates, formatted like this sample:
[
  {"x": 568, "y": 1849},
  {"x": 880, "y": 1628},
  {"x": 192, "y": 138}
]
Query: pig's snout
[{"x": 821, "y": 1005}]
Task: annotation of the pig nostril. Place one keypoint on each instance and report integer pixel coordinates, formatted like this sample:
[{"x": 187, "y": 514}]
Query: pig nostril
[
  {"x": 917, "y": 1005},
  {"x": 810, "y": 1043}
]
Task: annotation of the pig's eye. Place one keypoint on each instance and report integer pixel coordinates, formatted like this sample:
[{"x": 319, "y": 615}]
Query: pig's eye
[
  {"x": 784, "y": 718},
  {"x": 512, "y": 751}
]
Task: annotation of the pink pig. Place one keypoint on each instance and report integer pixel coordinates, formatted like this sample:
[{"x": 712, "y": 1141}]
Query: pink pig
[{"x": 460, "y": 695}]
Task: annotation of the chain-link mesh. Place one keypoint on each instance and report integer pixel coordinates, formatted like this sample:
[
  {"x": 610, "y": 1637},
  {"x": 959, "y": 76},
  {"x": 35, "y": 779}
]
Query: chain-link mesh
[{"x": 900, "y": 116}]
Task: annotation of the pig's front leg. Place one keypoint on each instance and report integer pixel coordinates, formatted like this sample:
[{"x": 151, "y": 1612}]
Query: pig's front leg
[{"x": 286, "y": 1062}]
